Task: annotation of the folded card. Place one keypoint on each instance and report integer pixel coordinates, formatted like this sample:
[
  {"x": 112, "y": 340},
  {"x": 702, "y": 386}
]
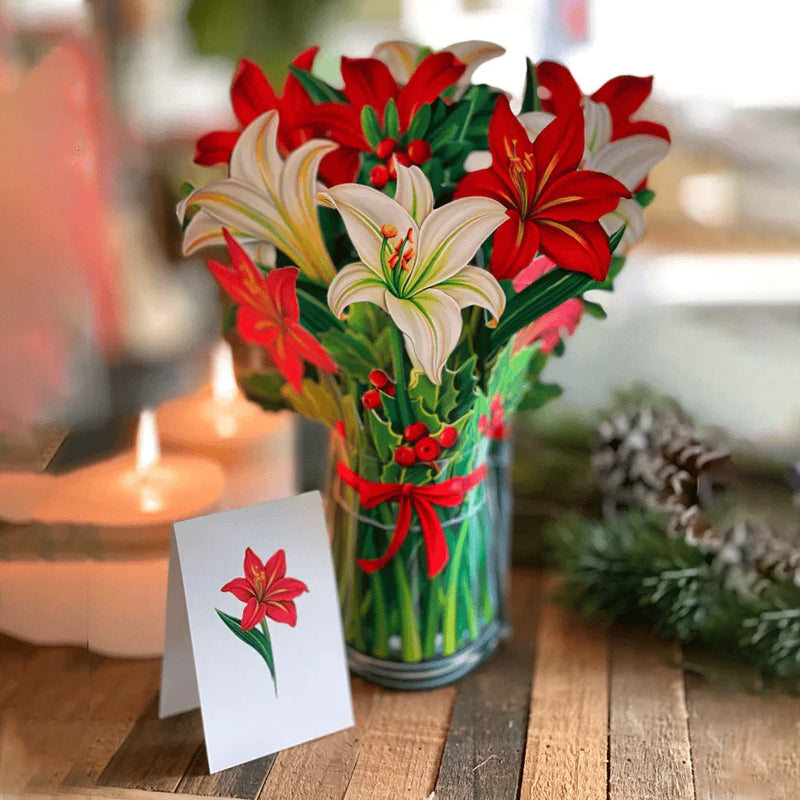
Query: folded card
[{"x": 253, "y": 633}]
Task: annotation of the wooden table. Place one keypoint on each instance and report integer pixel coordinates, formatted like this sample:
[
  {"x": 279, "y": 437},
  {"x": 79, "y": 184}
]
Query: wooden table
[{"x": 565, "y": 711}]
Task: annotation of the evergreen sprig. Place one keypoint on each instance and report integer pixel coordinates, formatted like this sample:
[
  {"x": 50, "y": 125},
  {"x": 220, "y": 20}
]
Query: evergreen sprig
[{"x": 629, "y": 569}]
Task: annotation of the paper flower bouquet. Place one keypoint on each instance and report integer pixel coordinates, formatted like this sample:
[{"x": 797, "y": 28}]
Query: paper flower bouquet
[{"x": 408, "y": 252}]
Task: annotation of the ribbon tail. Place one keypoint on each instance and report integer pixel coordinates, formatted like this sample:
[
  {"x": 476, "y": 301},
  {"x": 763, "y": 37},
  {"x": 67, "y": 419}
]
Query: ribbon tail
[
  {"x": 433, "y": 534},
  {"x": 398, "y": 537}
]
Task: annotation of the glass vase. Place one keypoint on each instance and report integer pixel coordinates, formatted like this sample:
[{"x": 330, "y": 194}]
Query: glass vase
[
  {"x": 406, "y": 628},
  {"x": 499, "y": 462}
]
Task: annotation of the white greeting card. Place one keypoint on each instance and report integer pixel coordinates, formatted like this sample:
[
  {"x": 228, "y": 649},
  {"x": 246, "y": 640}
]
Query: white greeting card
[{"x": 253, "y": 634}]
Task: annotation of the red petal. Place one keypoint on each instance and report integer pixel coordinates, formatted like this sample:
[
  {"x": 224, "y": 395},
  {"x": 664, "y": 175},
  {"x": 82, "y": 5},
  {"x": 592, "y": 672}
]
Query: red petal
[
  {"x": 558, "y": 149},
  {"x": 254, "y": 612},
  {"x": 578, "y": 246},
  {"x": 287, "y": 361},
  {"x": 583, "y": 195},
  {"x": 215, "y": 147},
  {"x": 340, "y": 166},
  {"x": 244, "y": 282},
  {"x": 632, "y": 127},
  {"x": 283, "y": 612},
  {"x": 367, "y": 82},
  {"x": 486, "y": 183},
  {"x": 506, "y": 133},
  {"x": 514, "y": 246},
  {"x": 281, "y": 286},
  {"x": 255, "y": 327},
  {"x": 286, "y": 589},
  {"x": 251, "y": 93},
  {"x": 252, "y": 564},
  {"x": 240, "y": 588},
  {"x": 434, "y": 74},
  {"x": 565, "y": 94},
  {"x": 538, "y": 267},
  {"x": 338, "y": 122},
  {"x": 624, "y": 94},
  {"x": 548, "y": 328},
  {"x": 294, "y": 95},
  {"x": 310, "y": 349},
  {"x": 230, "y": 280},
  {"x": 275, "y": 567}
]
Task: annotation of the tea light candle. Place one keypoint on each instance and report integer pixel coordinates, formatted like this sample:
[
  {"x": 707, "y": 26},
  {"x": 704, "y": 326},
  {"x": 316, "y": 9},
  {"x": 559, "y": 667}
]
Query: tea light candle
[
  {"x": 254, "y": 447},
  {"x": 106, "y": 529}
]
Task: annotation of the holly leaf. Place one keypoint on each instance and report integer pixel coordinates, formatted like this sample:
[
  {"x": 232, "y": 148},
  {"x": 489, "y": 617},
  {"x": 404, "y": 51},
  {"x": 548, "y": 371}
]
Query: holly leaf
[
  {"x": 539, "y": 394},
  {"x": 386, "y": 441},
  {"x": 265, "y": 388},
  {"x": 314, "y": 401},
  {"x": 352, "y": 351}
]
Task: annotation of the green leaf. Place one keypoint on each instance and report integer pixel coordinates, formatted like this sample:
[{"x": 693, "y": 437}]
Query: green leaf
[
  {"x": 450, "y": 129},
  {"x": 186, "y": 189},
  {"x": 539, "y": 394},
  {"x": 530, "y": 100},
  {"x": 352, "y": 351},
  {"x": 315, "y": 401},
  {"x": 371, "y": 126},
  {"x": 617, "y": 263},
  {"x": 594, "y": 309},
  {"x": 229, "y": 318},
  {"x": 386, "y": 441},
  {"x": 616, "y": 238},
  {"x": 316, "y": 88},
  {"x": 645, "y": 197},
  {"x": 315, "y": 315},
  {"x": 265, "y": 389},
  {"x": 255, "y": 638},
  {"x": 419, "y": 125},
  {"x": 391, "y": 121},
  {"x": 423, "y": 388}
]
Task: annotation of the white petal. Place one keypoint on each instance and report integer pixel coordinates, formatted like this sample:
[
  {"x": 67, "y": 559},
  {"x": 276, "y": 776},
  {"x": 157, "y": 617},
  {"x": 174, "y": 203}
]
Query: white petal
[
  {"x": 472, "y": 53},
  {"x": 449, "y": 238},
  {"x": 628, "y": 213},
  {"x": 477, "y": 159},
  {"x": 414, "y": 192},
  {"x": 596, "y": 125},
  {"x": 255, "y": 159},
  {"x": 630, "y": 159},
  {"x": 400, "y": 57},
  {"x": 476, "y": 287},
  {"x": 535, "y": 122},
  {"x": 364, "y": 211},
  {"x": 355, "y": 283},
  {"x": 431, "y": 325}
]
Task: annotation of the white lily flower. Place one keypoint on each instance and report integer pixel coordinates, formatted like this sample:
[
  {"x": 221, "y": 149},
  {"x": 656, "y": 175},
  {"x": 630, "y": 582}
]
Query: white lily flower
[
  {"x": 415, "y": 262},
  {"x": 265, "y": 200},
  {"x": 402, "y": 59},
  {"x": 629, "y": 160}
]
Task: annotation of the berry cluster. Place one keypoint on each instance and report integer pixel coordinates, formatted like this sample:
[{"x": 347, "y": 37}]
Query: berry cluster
[
  {"x": 380, "y": 380},
  {"x": 417, "y": 152},
  {"x": 494, "y": 428},
  {"x": 421, "y": 445}
]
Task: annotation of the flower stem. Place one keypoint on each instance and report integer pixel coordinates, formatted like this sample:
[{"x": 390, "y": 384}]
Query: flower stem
[
  {"x": 449, "y": 625},
  {"x": 265, "y": 630},
  {"x": 398, "y": 357}
]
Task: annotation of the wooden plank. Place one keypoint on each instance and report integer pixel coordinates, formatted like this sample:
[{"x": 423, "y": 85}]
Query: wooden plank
[
  {"x": 648, "y": 734},
  {"x": 485, "y": 746},
  {"x": 745, "y": 738},
  {"x": 322, "y": 769},
  {"x": 243, "y": 781},
  {"x": 402, "y": 746},
  {"x": 156, "y": 753},
  {"x": 565, "y": 752}
]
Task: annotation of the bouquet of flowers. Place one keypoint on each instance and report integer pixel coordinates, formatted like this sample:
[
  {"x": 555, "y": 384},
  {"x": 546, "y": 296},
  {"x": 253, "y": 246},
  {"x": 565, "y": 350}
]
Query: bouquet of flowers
[{"x": 408, "y": 252}]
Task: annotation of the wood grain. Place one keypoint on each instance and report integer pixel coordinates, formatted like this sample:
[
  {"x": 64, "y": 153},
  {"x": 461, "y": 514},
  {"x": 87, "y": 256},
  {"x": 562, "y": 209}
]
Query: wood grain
[
  {"x": 322, "y": 769},
  {"x": 565, "y": 753},
  {"x": 156, "y": 753},
  {"x": 402, "y": 746},
  {"x": 649, "y": 750},
  {"x": 485, "y": 745},
  {"x": 745, "y": 738},
  {"x": 243, "y": 781}
]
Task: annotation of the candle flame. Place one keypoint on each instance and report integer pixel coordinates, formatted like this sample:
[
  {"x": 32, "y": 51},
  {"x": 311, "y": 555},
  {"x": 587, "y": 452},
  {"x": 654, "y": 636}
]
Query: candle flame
[
  {"x": 148, "y": 447},
  {"x": 223, "y": 378}
]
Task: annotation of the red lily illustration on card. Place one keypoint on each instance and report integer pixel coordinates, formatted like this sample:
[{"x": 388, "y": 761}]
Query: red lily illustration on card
[
  {"x": 268, "y": 313},
  {"x": 266, "y": 592},
  {"x": 553, "y": 207}
]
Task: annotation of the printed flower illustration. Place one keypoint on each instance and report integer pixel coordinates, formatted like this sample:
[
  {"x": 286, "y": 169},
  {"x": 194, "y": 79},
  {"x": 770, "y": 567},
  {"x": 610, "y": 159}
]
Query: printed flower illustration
[
  {"x": 553, "y": 206},
  {"x": 403, "y": 58},
  {"x": 265, "y": 199},
  {"x": 415, "y": 262},
  {"x": 268, "y": 313},
  {"x": 266, "y": 592}
]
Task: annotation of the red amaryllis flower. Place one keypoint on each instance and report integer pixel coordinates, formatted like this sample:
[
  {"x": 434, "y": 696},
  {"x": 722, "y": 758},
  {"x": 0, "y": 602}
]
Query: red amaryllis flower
[
  {"x": 368, "y": 82},
  {"x": 623, "y": 95},
  {"x": 266, "y": 590},
  {"x": 553, "y": 207},
  {"x": 268, "y": 313}
]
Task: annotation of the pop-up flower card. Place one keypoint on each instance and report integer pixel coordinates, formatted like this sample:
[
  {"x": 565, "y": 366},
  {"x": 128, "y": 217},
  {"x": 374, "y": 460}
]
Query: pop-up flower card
[{"x": 253, "y": 632}]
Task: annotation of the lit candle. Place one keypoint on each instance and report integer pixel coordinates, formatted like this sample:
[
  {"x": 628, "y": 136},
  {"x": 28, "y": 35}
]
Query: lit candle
[
  {"x": 104, "y": 530},
  {"x": 254, "y": 447}
]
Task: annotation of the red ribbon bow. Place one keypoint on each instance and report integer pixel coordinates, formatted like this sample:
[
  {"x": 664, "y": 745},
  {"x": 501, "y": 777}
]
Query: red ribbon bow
[{"x": 422, "y": 499}]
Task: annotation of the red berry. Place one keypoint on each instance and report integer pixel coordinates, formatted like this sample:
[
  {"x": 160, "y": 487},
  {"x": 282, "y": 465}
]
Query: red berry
[
  {"x": 483, "y": 423},
  {"x": 427, "y": 449},
  {"x": 405, "y": 456},
  {"x": 371, "y": 399},
  {"x": 448, "y": 437},
  {"x": 414, "y": 431},
  {"x": 339, "y": 427},
  {"x": 378, "y": 378},
  {"x": 390, "y": 390},
  {"x": 497, "y": 403},
  {"x": 379, "y": 176},
  {"x": 498, "y": 431},
  {"x": 385, "y": 148},
  {"x": 419, "y": 151}
]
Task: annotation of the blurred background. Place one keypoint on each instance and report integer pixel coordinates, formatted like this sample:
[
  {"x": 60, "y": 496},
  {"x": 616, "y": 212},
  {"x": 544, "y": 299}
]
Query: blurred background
[{"x": 100, "y": 315}]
